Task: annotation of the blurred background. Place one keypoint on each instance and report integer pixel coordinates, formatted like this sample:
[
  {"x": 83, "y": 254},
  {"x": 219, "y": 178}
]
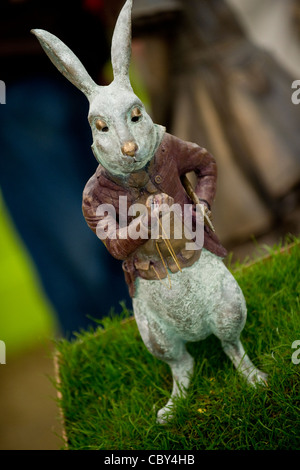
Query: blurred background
[{"x": 214, "y": 72}]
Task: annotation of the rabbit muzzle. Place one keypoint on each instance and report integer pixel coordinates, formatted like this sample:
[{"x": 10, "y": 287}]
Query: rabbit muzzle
[{"x": 129, "y": 148}]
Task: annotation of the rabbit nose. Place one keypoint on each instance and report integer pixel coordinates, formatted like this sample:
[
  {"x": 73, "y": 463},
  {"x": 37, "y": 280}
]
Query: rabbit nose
[{"x": 129, "y": 148}]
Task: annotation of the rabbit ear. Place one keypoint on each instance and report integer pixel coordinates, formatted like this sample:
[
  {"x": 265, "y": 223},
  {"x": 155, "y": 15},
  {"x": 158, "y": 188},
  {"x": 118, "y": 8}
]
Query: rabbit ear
[
  {"x": 121, "y": 44},
  {"x": 66, "y": 62}
]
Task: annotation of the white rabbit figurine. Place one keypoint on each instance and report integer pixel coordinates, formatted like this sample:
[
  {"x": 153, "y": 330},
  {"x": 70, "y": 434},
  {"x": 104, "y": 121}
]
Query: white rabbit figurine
[{"x": 140, "y": 163}]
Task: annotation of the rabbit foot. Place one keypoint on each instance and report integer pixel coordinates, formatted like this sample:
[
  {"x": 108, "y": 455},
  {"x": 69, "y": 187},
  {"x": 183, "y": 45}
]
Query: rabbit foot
[
  {"x": 257, "y": 377},
  {"x": 164, "y": 415}
]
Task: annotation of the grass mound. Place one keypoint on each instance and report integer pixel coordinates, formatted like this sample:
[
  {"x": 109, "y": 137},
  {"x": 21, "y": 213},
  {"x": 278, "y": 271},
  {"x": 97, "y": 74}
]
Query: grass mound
[{"x": 109, "y": 384}]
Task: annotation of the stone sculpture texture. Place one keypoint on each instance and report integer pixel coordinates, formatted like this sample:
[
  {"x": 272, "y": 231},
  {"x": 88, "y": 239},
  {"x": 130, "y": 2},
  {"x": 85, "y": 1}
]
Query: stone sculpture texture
[{"x": 180, "y": 292}]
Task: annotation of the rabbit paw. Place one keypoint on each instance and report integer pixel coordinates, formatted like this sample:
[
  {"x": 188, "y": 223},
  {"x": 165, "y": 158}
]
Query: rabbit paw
[
  {"x": 164, "y": 415},
  {"x": 154, "y": 202},
  {"x": 257, "y": 377}
]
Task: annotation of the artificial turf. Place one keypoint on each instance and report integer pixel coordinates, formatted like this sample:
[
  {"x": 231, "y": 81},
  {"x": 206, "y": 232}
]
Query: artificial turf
[{"x": 110, "y": 385}]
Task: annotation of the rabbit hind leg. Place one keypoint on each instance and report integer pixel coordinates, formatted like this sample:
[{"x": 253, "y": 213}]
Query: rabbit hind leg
[
  {"x": 182, "y": 369},
  {"x": 228, "y": 322},
  {"x": 235, "y": 351},
  {"x": 165, "y": 345}
]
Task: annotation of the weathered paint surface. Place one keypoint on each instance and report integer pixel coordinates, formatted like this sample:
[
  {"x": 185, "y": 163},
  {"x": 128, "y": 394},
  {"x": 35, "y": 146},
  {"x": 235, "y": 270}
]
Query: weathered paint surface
[{"x": 204, "y": 299}]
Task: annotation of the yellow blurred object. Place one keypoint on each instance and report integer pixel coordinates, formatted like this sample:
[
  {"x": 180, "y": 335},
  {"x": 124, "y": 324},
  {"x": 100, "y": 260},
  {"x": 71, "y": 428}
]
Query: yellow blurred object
[{"x": 26, "y": 318}]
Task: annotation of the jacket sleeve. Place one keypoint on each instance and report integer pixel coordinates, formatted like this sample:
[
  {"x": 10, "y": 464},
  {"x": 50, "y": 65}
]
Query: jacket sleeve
[
  {"x": 192, "y": 157},
  {"x": 117, "y": 240}
]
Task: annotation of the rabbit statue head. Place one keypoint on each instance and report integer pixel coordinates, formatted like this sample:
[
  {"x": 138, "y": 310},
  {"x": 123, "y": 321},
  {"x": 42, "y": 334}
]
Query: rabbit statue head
[{"x": 124, "y": 136}]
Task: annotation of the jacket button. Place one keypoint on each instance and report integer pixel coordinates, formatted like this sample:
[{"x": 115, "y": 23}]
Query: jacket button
[{"x": 158, "y": 179}]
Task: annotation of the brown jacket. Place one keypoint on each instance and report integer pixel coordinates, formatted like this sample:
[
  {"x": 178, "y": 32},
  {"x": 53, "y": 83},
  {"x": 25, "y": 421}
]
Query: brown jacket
[{"x": 173, "y": 159}]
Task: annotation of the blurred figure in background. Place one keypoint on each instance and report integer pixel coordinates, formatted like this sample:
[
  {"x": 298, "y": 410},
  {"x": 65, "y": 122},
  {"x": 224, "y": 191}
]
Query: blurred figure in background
[
  {"x": 46, "y": 158},
  {"x": 210, "y": 84}
]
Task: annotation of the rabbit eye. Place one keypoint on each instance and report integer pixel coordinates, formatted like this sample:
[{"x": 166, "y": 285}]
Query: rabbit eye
[
  {"x": 101, "y": 125},
  {"x": 136, "y": 114}
]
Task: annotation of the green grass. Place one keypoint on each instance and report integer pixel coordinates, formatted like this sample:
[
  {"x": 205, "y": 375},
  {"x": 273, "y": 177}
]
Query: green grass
[{"x": 110, "y": 383}]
